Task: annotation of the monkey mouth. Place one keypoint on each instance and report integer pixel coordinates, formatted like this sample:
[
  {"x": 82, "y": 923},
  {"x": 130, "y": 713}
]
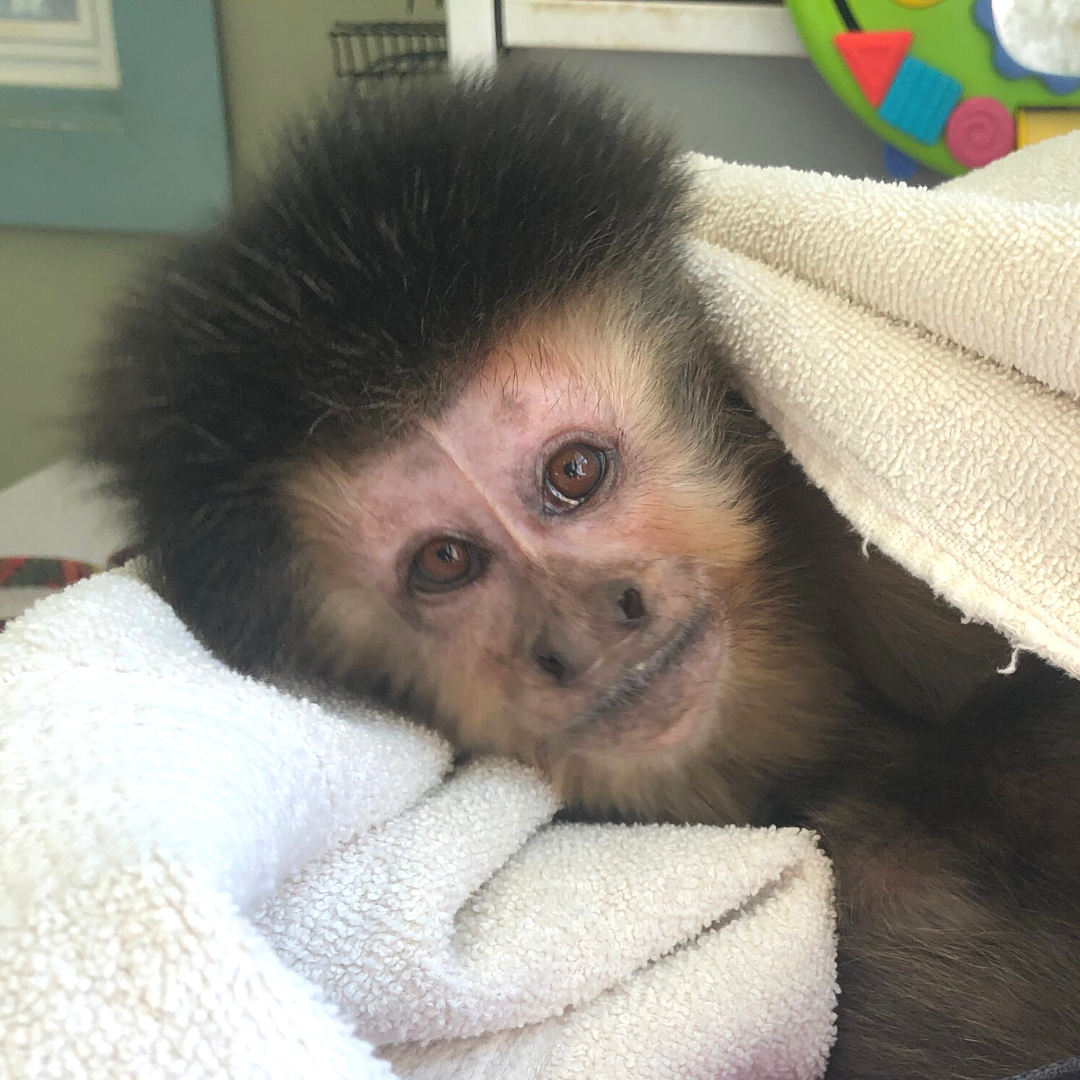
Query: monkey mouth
[{"x": 615, "y": 720}]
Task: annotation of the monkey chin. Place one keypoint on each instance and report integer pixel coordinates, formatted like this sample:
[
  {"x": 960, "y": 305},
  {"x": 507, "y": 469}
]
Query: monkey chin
[{"x": 664, "y": 705}]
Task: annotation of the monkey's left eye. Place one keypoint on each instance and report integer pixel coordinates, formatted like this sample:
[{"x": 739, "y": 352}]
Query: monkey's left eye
[
  {"x": 445, "y": 563},
  {"x": 572, "y": 475}
]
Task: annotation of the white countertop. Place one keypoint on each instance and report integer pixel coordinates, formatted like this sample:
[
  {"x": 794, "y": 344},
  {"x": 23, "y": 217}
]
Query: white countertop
[{"x": 59, "y": 513}]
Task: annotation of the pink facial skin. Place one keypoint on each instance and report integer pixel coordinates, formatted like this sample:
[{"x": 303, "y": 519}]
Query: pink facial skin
[{"x": 601, "y": 631}]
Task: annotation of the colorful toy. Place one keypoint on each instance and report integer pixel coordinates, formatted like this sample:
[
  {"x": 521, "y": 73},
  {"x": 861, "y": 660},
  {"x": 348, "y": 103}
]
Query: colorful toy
[{"x": 933, "y": 80}]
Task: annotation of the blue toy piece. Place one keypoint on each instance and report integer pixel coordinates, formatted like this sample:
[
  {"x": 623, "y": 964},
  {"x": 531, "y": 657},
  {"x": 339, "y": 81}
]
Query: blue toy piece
[
  {"x": 920, "y": 100},
  {"x": 898, "y": 165}
]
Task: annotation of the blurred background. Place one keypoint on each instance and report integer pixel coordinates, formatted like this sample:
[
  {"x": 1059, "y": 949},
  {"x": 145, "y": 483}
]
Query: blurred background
[
  {"x": 59, "y": 278},
  {"x": 126, "y": 125}
]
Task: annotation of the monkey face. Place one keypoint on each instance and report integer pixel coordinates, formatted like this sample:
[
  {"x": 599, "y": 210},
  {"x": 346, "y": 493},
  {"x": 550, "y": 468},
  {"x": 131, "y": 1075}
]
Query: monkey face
[
  {"x": 467, "y": 444},
  {"x": 515, "y": 539},
  {"x": 547, "y": 568}
]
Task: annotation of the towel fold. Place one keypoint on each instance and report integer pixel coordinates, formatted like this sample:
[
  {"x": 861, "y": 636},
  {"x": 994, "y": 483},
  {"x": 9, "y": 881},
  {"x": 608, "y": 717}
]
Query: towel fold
[
  {"x": 919, "y": 354},
  {"x": 206, "y": 876}
]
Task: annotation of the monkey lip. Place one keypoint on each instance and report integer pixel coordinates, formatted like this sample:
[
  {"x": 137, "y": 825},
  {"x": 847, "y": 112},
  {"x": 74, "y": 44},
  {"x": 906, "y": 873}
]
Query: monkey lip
[{"x": 617, "y": 722}]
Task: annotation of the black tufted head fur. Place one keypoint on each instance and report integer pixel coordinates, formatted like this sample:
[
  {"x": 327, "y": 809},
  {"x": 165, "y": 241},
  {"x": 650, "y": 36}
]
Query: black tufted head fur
[{"x": 398, "y": 234}]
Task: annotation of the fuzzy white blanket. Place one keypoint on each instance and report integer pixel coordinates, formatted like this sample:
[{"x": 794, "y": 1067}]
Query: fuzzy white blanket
[
  {"x": 201, "y": 876},
  {"x": 918, "y": 351}
]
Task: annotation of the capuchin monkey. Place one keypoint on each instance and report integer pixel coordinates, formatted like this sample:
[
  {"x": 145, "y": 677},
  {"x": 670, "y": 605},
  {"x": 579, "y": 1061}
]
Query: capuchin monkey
[{"x": 438, "y": 417}]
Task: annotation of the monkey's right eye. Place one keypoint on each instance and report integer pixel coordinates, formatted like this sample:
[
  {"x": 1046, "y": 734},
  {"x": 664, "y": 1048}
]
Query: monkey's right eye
[
  {"x": 445, "y": 563},
  {"x": 573, "y": 475}
]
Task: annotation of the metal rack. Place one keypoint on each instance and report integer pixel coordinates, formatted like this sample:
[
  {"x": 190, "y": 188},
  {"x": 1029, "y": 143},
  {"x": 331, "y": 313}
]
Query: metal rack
[
  {"x": 476, "y": 29},
  {"x": 380, "y": 50}
]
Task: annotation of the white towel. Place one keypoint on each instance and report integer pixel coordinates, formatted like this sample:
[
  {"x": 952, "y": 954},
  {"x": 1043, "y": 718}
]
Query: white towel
[
  {"x": 918, "y": 351},
  {"x": 205, "y": 876}
]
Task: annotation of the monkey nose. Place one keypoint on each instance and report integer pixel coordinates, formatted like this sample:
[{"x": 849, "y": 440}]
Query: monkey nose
[
  {"x": 617, "y": 608},
  {"x": 629, "y": 606},
  {"x": 553, "y": 661}
]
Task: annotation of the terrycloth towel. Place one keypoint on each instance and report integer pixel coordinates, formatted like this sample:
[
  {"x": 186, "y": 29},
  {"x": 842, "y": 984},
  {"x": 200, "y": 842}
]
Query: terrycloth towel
[
  {"x": 918, "y": 351},
  {"x": 203, "y": 876}
]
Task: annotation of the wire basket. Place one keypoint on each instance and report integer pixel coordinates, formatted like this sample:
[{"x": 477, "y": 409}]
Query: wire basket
[{"x": 378, "y": 50}]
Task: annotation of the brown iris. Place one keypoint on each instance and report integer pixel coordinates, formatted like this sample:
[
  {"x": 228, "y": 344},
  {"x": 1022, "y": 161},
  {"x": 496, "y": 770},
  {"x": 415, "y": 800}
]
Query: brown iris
[
  {"x": 444, "y": 563},
  {"x": 573, "y": 474}
]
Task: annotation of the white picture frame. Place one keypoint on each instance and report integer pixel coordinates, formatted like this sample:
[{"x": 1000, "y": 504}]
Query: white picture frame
[{"x": 68, "y": 44}]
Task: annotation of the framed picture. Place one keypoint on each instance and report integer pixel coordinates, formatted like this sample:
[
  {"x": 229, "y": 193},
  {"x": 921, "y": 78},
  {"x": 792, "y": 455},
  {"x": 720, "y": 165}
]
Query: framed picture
[
  {"x": 111, "y": 115},
  {"x": 58, "y": 43}
]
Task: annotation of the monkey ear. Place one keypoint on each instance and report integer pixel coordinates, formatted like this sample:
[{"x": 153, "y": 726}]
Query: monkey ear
[
  {"x": 735, "y": 401},
  {"x": 744, "y": 425}
]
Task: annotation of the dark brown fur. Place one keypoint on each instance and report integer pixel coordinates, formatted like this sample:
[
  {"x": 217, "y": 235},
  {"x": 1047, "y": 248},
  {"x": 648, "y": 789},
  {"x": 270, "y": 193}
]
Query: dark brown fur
[
  {"x": 953, "y": 831},
  {"x": 407, "y": 241}
]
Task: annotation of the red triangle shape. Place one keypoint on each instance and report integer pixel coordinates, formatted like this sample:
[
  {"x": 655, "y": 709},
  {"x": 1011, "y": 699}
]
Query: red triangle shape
[{"x": 873, "y": 58}]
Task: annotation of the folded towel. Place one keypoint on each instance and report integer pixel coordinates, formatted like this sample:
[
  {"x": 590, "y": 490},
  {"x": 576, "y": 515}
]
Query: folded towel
[
  {"x": 918, "y": 351},
  {"x": 207, "y": 876}
]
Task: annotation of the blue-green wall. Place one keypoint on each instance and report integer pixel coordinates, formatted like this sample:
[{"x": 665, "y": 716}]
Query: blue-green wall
[{"x": 55, "y": 287}]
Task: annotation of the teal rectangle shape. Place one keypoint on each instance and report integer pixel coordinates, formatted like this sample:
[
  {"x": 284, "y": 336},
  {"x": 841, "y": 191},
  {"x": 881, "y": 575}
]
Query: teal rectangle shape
[
  {"x": 920, "y": 100},
  {"x": 149, "y": 157}
]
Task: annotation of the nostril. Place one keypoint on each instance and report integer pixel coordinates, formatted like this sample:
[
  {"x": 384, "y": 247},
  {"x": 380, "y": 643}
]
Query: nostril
[
  {"x": 632, "y": 606},
  {"x": 555, "y": 666}
]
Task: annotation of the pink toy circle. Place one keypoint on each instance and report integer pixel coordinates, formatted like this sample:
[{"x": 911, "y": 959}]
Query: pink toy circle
[{"x": 980, "y": 130}]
